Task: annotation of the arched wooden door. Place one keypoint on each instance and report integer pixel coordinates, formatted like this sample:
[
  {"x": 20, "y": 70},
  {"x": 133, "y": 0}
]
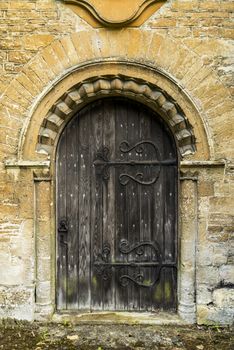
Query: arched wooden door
[{"x": 116, "y": 210}]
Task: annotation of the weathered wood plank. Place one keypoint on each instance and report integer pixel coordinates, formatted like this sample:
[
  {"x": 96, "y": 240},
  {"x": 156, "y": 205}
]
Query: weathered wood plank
[
  {"x": 158, "y": 211},
  {"x": 121, "y": 206},
  {"x": 84, "y": 211},
  {"x": 105, "y": 211},
  {"x": 133, "y": 207},
  {"x": 145, "y": 219},
  {"x": 72, "y": 195},
  {"x": 96, "y": 143},
  {"x": 109, "y": 201}
]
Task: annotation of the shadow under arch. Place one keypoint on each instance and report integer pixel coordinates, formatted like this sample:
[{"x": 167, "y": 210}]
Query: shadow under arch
[{"x": 109, "y": 86}]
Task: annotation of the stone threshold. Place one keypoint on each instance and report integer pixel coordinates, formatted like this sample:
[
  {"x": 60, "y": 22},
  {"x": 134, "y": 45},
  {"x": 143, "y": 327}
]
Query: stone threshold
[{"x": 129, "y": 318}]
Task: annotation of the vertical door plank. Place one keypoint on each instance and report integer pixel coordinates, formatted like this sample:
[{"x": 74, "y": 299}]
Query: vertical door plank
[
  {"x": 96, "y": 143},
  {"x": 109, "y": 201},
  {"x": 170, "y": 236},
  {"x": 72, "y": 205},
  {"x": 133, "y": 208},
  {"x": 158, "y": 203},
  {"x": 121, "y": 206},
  {"x": 84, "y": 212},
  {"x": 145, "y": 233},
  {"x": 106, "y": 211}
]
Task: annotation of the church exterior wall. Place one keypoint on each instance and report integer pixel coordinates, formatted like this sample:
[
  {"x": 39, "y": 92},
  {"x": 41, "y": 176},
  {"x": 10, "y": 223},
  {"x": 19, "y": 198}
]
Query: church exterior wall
[{"x": 184, "y": 49}]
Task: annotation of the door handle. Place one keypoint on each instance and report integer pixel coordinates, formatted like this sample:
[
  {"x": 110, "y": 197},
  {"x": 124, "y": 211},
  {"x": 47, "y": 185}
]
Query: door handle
[{"x": 62, "y": 230}]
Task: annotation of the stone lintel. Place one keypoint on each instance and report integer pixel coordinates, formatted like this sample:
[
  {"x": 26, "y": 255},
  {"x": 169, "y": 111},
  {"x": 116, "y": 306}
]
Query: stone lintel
[
  {"x": 202, "y": 163},
  {"x": 11, "y": 163}
]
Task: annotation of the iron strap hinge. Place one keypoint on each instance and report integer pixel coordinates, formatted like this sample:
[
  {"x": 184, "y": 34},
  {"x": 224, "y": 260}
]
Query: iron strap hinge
[
  {"x": 99, "y": 162},
  {"x": 104, "y": 265},
  {"x": 134, "y": 264},
  {"x": 102, "y": 162}
]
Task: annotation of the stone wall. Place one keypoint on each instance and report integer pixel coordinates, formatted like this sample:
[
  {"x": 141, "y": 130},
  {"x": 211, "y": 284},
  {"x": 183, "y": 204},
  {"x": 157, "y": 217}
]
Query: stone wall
[{"x": 42, "y": 45}]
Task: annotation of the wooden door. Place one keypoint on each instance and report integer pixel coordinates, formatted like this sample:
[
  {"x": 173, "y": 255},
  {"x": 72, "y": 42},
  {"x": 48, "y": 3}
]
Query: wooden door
[{"x": 116, "y": 210}]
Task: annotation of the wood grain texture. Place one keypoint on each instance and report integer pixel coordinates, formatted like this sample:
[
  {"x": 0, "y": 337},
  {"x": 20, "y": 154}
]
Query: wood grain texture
[{"x": 126, "y": 205}]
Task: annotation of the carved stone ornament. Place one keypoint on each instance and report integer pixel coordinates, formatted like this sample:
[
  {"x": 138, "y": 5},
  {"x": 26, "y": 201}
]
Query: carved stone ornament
[
  {"x": 114, "y": 13},
  {"x": 115, "y": 85}
]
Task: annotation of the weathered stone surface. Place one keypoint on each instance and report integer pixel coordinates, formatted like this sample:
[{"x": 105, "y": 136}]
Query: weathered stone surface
[
  {"x": 224, "y": 297},
  {"x": 227, "y": 274},
  {"x": 16, "y": 302},
  {"x": 186, "y": 50}
]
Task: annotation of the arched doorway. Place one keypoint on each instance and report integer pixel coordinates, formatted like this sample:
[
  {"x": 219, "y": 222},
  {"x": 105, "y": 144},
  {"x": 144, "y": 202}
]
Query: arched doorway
[{"x": 116, "y": 210}]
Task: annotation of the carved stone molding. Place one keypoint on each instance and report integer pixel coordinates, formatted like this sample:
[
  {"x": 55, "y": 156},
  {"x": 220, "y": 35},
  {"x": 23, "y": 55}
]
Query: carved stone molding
[
  {"x": 115, "y": 85},
  {"x": 114, "y": 13},
  {"x": 188, "y": 175}
]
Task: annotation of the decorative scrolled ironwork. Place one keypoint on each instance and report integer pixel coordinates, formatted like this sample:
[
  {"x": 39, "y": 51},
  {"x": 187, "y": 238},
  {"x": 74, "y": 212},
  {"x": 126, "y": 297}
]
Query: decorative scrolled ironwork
[
  {"x": 104, "y": 265},
  {"x": 103, "y": 163},
  {"x": 139, "y": 248},
  {"x": 138, "y": 279},
  {"x": 101, "y": 263},
  {"x": 103, "y": 154},
  {"x": 125, "y": 178},
  {"x": 138, "y": 147}
]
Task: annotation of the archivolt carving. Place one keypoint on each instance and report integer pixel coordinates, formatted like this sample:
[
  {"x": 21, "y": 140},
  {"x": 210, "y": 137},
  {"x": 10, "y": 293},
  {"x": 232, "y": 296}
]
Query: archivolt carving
[
  {"x": 115, "y": 85},
  {"x": 114, "y": 13}
]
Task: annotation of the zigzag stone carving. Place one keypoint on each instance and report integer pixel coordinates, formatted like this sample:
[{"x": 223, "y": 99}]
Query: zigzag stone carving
[{"x": 115, "y": 85}]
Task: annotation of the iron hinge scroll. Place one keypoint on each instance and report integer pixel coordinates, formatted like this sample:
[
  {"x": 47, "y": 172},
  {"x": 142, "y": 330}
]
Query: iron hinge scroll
[
  {"x": 102, "y": 162},
  {"x": 104, "y": 265}
]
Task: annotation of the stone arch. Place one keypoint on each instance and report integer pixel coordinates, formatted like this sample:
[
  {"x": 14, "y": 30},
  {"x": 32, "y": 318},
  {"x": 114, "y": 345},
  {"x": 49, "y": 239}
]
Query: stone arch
[
  {"x": 64, "y": 57},
  {"x": 68, "y": 62},
  {"x": 115, "y": 85}
]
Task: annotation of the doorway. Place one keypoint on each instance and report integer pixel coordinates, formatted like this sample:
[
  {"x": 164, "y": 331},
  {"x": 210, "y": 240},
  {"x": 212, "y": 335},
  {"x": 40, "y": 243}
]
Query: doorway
[{"x": 117, "y": 179}]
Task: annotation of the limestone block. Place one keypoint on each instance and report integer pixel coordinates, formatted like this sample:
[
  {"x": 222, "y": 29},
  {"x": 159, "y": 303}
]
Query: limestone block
[
  {"x": 227, "y": 273},
  {"x": 28, "y": 271},
  {"x": 214, "y": 315},
  {"x": 186, "y": 253},
  {"x": 220, "y": 227},
  {"x": 230, "y": 259},
  {"x": 222, "y": 205},
  {"x": 202, "y": 314},
  {"x": 19, "y": 56},
  {"x": 43, "y": 239},
  {"x": 44, "y": 269},
  {"x": 208, "y": 275},
  {"x": 206, "y": 189},
  {"x": 12, "y": 271},
  {"x": 36, "y": 41},
  {"x": 43, "y": 292},
  {"x": 224, "y": 188},
  {"x": 17, "y": 302},
  {"x": 52, "y": 60},
  {"x": 220, "y": 254},
  {"x": 203, "y": 207},
  {"x": 224, "y": 297},
  {"x": 204, "y": 294},
  {"x": 205, "y": 255}
]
